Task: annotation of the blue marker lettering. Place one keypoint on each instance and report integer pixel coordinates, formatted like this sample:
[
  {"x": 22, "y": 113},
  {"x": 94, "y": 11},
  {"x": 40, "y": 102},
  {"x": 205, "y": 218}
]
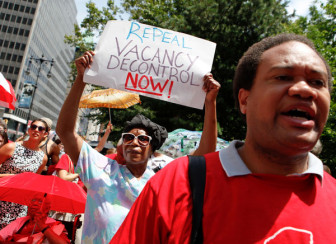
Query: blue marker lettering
[
  {"x": 164, "y": 38},
  {"x": 145, "y": 33},
  {"x": 133, "y": 31},
  {"x": 154, "y": 33}
]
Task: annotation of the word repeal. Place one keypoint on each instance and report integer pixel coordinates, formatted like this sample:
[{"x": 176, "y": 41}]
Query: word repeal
[{"x": 156, "y": 35}]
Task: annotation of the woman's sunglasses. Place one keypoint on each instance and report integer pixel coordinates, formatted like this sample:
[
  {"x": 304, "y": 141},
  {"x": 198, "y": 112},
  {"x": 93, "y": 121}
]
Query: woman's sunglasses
[
  {"x": 40, "y": 128},
  {"x": 143, "y": 140}
]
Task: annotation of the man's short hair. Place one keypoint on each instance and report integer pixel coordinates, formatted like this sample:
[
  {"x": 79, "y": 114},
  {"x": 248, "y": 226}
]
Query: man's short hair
[{"x": 248, "y": 64}]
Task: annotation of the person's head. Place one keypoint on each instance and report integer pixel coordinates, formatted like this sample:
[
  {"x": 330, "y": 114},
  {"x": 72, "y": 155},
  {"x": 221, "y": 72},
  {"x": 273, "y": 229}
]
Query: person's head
[
  {"x": 38, "y": 129},
  {"x": 48, "y": 122},
  {"x": 3, "y": 125},
  {"x": 3, "y": 138},
  {"x": 247, "y": 67},
  {"x": 141, "y": 138},
  {"x": 38, "y": 203},
  {"x": 285, "y": 95},
  {"x": 111, "y": 151}
]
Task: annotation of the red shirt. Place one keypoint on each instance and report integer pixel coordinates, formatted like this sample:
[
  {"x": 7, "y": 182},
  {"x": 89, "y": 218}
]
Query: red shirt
[
  {"x": 66, "y": 164},
  {"x": 252, "y": 208}
]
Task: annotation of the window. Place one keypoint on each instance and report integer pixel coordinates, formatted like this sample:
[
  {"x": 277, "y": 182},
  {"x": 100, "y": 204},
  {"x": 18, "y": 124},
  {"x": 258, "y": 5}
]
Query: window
[
  {"x": 0, "y": 4},
  {"x": 2, "y": 15},
  {"x": 23, "y": 47},
  {"x": 7, "y": 17},
  {"x": 32, "y": 10},
  {"x": 30, "y": 21},
  {"x": 11, "y": 45},
  {"x": 24, "y": 21},
  {"x": 21, "y": 8},
  {"x": 17, "y": 46},
  {"x": 20, "y": 58},
  {"x": 10, "y": 6},
  {"x": 26, "y": 33},
  {"x": 11, "y": 70},
  {"x": 16, "y": 72},
  {"x": 8, "y": 56},
  {"x": 18, "y": 19},
  {"x": 16, "y": 7},
  {"x": 13, "y": 18},
  {"x": 15, "y": 31},
  {"x": 2, "y": 56},
  {"x": 1, "y": 41},
  {"x": 14, "y": 57},
  {"x": 5, "y": 5},
  {"x": 4, "y": 28},
  {"x": 27, "y": 10},
  {"x": 6, "y": 43},
  {"x": 10, "y": 30},
  {"x": 5, "y": 68},
  {"x": 21, "y": 32}
]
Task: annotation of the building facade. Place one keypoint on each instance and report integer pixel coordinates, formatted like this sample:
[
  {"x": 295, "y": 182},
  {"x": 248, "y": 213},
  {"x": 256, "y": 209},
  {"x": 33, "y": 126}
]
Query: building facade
[{"x": 32, "y": 39}]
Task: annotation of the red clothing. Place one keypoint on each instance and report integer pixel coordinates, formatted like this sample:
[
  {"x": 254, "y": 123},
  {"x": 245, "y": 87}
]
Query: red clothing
[
  {"x": 64, "y": 163},
  {"x": 116, "y": 157},
  {"x": 251, "y": 208}
]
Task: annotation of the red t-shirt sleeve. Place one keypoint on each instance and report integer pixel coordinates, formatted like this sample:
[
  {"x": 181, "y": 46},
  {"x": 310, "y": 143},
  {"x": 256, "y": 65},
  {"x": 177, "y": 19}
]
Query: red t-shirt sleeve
[{"x": 63, "y": 163}]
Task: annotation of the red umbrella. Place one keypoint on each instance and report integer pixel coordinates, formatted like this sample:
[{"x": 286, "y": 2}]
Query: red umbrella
[
  {"x": 7, "y": 94},
  {"x": 64, "y": 196}
]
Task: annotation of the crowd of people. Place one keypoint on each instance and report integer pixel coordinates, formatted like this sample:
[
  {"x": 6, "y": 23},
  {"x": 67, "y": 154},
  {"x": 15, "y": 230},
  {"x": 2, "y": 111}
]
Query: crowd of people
[{"x": 266, "y": 188}]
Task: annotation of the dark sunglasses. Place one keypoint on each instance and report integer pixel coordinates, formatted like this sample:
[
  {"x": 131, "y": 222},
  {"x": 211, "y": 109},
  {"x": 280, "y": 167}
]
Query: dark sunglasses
[
  {"x": 143, "y": 140},
  {"x": 40, "y": 128}
]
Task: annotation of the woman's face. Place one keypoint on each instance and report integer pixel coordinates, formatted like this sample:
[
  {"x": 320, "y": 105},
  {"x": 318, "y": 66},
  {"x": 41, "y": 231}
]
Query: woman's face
[
  {"x": 134, "y": 151},
  {"x": 37, "y": 130}
]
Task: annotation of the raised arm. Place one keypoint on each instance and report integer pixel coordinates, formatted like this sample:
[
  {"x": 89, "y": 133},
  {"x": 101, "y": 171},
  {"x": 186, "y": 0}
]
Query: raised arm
[
  {"x": 103, "y": 140},
  {"x": 65, "y": 128},
  {"x": 209, "y": 135}
]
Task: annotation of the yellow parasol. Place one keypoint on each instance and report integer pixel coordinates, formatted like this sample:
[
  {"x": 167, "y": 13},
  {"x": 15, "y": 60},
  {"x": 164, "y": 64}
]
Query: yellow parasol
[{"x": 109, "y": 98}]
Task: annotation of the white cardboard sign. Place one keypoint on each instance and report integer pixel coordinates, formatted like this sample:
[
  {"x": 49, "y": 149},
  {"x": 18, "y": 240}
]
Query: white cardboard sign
[{"x": 153, "y": 62}]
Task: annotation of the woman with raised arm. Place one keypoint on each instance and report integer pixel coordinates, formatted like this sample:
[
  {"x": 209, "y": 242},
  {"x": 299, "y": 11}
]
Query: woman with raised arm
[{"x": 112, "y": 187}]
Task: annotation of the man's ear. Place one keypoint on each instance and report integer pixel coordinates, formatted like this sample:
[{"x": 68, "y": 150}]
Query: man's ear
[{"x": 242, "y": 97}]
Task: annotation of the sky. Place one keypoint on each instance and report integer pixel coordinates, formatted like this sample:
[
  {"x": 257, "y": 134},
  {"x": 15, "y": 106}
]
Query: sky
[{"x": 301, "y": 7}]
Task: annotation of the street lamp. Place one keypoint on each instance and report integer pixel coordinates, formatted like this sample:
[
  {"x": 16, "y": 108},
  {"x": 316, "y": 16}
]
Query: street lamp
[{"x": 40, "y": 61}]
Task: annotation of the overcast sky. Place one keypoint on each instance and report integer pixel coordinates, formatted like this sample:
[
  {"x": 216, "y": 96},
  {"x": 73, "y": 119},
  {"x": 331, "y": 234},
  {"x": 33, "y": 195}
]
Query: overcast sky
[{"x": 301, "y": 7}]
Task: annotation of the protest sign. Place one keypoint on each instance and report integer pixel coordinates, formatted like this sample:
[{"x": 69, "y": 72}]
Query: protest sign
[{"x": 153, "y": 62}]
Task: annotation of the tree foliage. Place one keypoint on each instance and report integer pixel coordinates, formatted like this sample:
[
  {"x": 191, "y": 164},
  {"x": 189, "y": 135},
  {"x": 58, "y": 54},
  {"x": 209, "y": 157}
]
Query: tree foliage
[{"x": 319, "y": 26}]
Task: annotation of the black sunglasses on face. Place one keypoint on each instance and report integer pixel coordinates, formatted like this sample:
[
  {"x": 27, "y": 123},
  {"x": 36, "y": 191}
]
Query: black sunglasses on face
[
  {"x": 143, "y": 140},
  {"x": 40, "y": 128}
]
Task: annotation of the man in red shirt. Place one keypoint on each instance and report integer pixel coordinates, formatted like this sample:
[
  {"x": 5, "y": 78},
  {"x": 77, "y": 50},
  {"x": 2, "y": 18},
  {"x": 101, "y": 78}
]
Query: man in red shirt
[{"x": 268, "y": 188}]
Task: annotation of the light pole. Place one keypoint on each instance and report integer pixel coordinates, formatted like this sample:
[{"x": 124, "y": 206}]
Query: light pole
[{"x": 40, "y": 61}]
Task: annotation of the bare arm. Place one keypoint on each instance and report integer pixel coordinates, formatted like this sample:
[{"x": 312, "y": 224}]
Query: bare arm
[
  {"x": 209, "y": 135},
  {"x": 44, "y": 163},
  {"x": 103, "y": 140},
  {"x": 55, "y": 151},
  {"x": 6, "y": 151},
  {"x": 63, "y": 174},
  {"x": 65, "y": 128}
]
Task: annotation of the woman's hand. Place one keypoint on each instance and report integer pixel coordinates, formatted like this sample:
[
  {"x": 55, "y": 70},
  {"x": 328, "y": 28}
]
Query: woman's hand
[{"x": 84, "y": 62}]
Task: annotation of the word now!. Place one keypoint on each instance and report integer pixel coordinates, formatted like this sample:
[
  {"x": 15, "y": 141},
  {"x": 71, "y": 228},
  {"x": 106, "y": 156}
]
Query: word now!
[{"x": 145, "y": 84}]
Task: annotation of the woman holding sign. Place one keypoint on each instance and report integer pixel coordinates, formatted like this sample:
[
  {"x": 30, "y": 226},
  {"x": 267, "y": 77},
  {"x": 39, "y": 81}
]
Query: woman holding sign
[{"x": 113, "y": 188}]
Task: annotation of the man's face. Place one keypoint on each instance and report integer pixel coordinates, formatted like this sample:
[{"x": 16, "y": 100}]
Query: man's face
[
  {"x": 288, "y": 104},
  {"x": 2, "y": 128}
]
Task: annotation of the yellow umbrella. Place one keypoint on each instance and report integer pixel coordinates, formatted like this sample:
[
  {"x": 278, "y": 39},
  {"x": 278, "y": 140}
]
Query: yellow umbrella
[{"x": 109, "y": 98}]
